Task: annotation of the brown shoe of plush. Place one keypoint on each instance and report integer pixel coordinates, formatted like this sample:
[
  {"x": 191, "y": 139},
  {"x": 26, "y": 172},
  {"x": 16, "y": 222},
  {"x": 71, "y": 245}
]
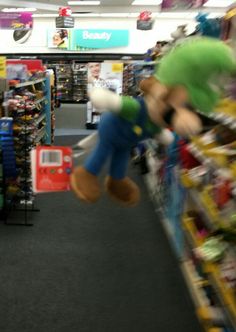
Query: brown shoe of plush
[
  {"x": 124, "y": 191},
  {"x": 85, "y": 185}
]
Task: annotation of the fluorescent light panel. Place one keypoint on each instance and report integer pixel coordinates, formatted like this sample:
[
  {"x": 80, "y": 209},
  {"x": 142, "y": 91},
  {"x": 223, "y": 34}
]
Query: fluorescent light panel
[
  {"x": 146, "y": 2},
  {"x": 84, "y": 3},
  {"x": 219, "y": 3},
  {"x": 45, "y": 15},
  {"x": 86, "y": 15},
  {"x": 120, "y": 14},
  {"x": 16, "y": 10}
]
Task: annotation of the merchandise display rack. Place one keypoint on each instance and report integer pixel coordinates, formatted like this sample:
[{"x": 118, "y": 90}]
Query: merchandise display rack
[
  {"x": 71, "y": 80},
  {"x": 80, "y": 82},
  {"x": 3, "y": 89},
  {"x": 133, "y": 73},
  {"x": 213, "y": 294},
  {"x": 29, "y": 105}
]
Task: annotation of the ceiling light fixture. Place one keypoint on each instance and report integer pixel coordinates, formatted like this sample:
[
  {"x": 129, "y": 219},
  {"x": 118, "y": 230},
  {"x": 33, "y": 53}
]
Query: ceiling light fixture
[
  {"x": 115, "y": 15},
  {"x": 146, "y": 2},
  {"x": 219, "y": 3},
  {"x": 16, "y": 10},
  {"x": 86, "y": 15},
  {"x": 84, "y": 3}
]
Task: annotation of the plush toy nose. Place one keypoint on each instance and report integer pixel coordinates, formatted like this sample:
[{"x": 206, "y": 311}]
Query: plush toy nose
[{"x": 186, "y": 123}]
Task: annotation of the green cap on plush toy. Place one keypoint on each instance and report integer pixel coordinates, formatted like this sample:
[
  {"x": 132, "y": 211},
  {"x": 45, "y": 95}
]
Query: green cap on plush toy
[{"x": 197, "y": 64}]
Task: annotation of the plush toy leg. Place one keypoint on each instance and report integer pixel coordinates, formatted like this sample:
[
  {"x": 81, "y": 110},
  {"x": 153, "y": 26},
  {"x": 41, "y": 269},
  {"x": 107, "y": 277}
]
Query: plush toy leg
[
  {"x": 84, "y": 181},
  {"x": 120, "y": 187},
  {"x": 124, "y": 191},
  {"x": 85, "y": 185}
]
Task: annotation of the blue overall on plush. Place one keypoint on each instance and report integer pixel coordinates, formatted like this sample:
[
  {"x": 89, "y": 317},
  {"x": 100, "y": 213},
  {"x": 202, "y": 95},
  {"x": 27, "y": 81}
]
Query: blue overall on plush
[{"x": 116, "y": 139}]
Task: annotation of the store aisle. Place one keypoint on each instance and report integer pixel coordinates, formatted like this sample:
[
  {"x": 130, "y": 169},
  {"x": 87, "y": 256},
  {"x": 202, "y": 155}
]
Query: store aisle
[
  {"x": 91, "y": 268},
  {"x": 71, "y": 119}
]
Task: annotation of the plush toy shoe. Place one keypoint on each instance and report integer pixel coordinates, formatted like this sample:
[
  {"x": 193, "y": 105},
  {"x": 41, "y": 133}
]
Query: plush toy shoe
[
  {"x": 85, "y": 185},
  {"x": 124, "y": 191}
]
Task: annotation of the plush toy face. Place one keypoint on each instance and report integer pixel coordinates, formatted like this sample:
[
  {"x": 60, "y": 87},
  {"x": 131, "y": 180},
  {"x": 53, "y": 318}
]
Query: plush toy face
[{"x": 167, "y": 107}]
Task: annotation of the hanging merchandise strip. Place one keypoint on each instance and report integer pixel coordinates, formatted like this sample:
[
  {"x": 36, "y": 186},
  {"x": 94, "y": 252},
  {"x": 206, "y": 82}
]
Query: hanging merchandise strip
[{"x": 7, "y": 145}]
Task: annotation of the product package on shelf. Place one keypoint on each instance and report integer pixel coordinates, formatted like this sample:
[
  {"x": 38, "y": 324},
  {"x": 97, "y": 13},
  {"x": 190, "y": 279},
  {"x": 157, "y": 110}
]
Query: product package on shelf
[
  {"x": 129, "y": 88},
  {"x": 21, "y": 71}
]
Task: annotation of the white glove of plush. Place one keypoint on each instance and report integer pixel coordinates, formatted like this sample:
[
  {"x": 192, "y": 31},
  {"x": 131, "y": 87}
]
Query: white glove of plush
[
  {"x": 104, "y": 100},
  {"x": 89, "y": 142},
  {"x": 165, "y": 137}
]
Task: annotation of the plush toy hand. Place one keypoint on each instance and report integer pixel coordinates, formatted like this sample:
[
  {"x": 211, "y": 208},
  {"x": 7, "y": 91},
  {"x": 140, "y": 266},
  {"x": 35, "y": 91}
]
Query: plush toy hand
[
  {"x": 104, "y": 100},
  {"x": 88, "y": 143},
  {"x": 186, "y": 123}
]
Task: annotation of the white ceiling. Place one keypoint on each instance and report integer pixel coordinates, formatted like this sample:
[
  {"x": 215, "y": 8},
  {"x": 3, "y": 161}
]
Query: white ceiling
[{"x": 107, "y": 6}]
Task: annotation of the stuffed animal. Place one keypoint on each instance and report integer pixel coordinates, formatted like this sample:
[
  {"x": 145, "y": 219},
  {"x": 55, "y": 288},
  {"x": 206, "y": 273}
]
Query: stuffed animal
[
  {"x": 210, "y": 27},
  {"x": 183, "y": 77}
]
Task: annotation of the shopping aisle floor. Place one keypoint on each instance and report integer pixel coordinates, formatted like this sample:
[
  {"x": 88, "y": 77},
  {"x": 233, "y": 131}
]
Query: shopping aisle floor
[
  {"x": 71, "y": 119},
  {"x": 98, "y": 268}
]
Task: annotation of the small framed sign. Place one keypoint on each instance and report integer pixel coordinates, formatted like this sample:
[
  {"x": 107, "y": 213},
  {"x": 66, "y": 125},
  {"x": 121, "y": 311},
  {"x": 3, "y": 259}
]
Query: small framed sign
[{"x": 65, "y": 22}]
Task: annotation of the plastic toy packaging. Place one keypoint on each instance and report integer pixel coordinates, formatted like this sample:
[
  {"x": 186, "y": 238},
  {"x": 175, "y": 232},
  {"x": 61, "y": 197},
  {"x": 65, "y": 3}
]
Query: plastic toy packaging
[
  {"x": 17, "y": 72},
  {"x": 51, "y": 168}
]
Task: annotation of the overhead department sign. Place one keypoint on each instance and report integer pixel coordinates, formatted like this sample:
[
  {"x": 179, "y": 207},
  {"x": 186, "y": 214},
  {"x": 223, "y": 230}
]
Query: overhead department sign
[{"x": 85, "y": 39}]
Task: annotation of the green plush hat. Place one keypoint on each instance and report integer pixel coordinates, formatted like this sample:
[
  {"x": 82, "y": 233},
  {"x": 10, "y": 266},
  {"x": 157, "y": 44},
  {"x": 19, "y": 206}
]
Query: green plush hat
[{"x": 197, "y": 64}]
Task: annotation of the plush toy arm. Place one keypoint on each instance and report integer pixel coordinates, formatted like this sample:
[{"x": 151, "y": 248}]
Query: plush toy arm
[
  {"x": 88, "y": 143},
  {"x": 104, "y": 100}
]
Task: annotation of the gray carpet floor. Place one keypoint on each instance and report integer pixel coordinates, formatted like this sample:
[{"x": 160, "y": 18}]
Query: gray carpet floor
[
  {"x": 71, "y": 116},
  {"x": 91, "y": 268}
]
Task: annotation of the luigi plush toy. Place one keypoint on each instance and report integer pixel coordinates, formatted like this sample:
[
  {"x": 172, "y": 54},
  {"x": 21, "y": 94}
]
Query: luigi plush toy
[{"x": 184, "y": 80}]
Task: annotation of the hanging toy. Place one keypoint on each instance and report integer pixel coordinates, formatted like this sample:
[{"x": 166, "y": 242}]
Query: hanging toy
[
  {"x": 184, "y": 76},
  {"x": 180, "y": 33},
  {"x": 208, "y": 27}
]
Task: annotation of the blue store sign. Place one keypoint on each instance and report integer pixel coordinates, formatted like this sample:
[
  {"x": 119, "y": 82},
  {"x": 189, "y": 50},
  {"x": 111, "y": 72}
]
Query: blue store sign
[
  {"x": 84, "y": 39},
  {"x": 95, "y": 39}
]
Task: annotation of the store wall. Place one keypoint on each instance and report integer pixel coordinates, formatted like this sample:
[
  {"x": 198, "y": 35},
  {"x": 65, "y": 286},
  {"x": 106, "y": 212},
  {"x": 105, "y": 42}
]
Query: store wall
[{"x": 140, "y": 41}]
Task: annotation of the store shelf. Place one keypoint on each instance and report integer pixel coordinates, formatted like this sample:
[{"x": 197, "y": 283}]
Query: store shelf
[
  {"x": 190, "y": 232},
  {"x": 212, "y": 221},
  {"x": 21, "y": 85},
  {"x": 39, "y": 101},
  {"x": 39, "y": 119},
  {"x": 222, "y": 118},
  {"x": 209, "y": 162},
  {"x": 194, "y": 283},
  {"x": 41, "y": 134},
  {"x": 207, "y": 314},
  {"x": 225, "y": 294}
]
